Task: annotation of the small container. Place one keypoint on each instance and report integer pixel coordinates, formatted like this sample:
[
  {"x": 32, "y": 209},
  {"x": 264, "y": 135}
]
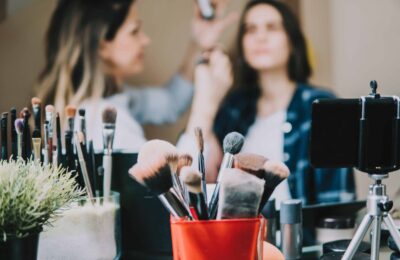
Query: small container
[
  {"x": 291, "y": 229},
  {"x": 269, "y": 213},
  {"x": 335, "y": 228},
  {"x": 88, "y": 230},
  {"x": 233, "y": 239}
]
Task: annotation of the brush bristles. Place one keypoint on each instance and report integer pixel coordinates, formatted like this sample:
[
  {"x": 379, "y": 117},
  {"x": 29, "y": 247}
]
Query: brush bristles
[
  {"x": 156, "y": 176},
  {"x": 192, "y": 178},
  {"x": 233, "y": 143},
  {"x": 172, "y": 160},
  {"x": 155, "y": 147},
  {"x": 109, "y": 115},
  {"x": 19, "y": 125},
  {"x": 25, "y": 113},
  {"x": 70, "y": 111},
  {"x": 4, "y": 115},
  {"x": 199, "y": 139},
  {"x": 82, "y": 112},
  {"x": 184, "y": 160},
  {"x": 49, "y": 109},
  {"x": 36, "y": 101},
  {"x": 277, "y": 168},
  {"x": 250, "y": 163}
]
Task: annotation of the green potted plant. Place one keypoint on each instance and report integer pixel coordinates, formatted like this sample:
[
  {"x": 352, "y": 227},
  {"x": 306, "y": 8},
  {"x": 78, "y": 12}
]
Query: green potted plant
[{"x": 31, "y": 196}]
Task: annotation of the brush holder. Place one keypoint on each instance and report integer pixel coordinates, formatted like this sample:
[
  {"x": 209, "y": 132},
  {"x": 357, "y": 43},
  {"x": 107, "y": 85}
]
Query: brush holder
[
  {"x": 233, "y": 239},
  {"x": 88, "y": 229}
]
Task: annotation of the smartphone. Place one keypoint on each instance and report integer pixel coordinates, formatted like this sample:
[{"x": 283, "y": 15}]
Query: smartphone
[
  {"x": 206, "y": 9},
  {"x": 361, "y": 133}
]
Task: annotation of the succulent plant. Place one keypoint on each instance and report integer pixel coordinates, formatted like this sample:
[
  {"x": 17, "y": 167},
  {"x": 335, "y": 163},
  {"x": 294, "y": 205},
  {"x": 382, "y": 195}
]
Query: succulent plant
[{"x": 32, "y": 195}]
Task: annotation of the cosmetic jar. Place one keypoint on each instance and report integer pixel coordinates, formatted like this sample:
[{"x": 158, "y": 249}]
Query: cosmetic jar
[{"x": 335, "y": 228}]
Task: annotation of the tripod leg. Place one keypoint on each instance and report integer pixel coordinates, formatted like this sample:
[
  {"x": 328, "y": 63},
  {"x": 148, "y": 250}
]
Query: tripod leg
[
  {"x": 376, "y": 238},
  {"x": 392, "y": 229},
  {"x": 355, "y": 242}
]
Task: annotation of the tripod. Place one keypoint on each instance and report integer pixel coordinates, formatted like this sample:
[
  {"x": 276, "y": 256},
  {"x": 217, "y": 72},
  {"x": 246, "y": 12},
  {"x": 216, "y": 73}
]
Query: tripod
[{"x": 378, "y": 206}]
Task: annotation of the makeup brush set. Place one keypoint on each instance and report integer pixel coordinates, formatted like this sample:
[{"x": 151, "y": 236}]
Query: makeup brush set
[
  {"x": 244, "y": 184},
  {"x": 45, "y": 143}
]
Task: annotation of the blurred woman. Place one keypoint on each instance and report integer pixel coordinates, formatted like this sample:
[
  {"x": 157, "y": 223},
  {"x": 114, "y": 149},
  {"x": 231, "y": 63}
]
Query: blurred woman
[
  {"x": 93, "y": 47},
  {"x": 270, "y": 104}
]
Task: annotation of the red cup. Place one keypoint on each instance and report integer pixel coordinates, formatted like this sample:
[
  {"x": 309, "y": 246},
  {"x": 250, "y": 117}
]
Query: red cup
[{"x": 230, "y": 239}]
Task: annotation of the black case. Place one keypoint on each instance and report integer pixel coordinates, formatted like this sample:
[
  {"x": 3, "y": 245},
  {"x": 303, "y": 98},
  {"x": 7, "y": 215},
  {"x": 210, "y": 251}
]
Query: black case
[{"x": 145, "y": 222}]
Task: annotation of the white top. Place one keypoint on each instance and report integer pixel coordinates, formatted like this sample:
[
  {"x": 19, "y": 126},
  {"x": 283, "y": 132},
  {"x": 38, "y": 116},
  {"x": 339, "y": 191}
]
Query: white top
[
  {"x": 136, "y": 106},
  {"x": 265, "y": 137}
]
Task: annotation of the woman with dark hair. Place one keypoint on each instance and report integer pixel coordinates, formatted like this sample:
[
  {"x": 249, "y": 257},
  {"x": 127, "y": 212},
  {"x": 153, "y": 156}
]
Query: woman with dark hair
[
  {"x": 93, "y": 47},
  {"x": 270, "y": 104}
]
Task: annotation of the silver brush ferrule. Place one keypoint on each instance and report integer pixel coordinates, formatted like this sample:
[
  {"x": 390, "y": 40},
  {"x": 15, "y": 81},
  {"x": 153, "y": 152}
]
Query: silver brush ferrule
[{"x": 108, "y": 138}]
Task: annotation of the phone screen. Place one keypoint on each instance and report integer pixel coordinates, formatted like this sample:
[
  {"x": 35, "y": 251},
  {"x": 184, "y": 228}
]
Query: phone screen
[{"x": 339, "y": 138}]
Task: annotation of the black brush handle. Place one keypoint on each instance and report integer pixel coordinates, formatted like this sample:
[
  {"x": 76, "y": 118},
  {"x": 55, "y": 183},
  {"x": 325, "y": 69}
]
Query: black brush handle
[
  {"x": 213, "y": 205},
  {"x": 173, "y": 205},
  {"x": 4, "y": 141},
  {"x": 92, "y": 166},
  {"x": 100, "y": 179},
  {"x": 37, "y": 114},
  {"x": 14, "y": 145},
  {"x": 60, "y": 157},
  {"x": 202, "y": 170},
  {"x": 199, "y": 203},
  {"x": 69, "y": 152}
]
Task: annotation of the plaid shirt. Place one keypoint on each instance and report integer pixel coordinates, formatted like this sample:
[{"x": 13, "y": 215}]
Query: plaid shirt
[{"x": 311, "y": 185}]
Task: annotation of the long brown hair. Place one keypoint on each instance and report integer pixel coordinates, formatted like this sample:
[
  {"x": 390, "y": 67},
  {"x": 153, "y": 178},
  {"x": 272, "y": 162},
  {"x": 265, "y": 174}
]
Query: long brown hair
[
  {"x": 298, "y": 68},
  {"x": 73, "y": 70}
]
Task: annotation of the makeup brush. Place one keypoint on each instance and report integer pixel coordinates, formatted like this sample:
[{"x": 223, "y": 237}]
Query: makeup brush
[
  {"x": 172, "y": 160},
  {"x": 60, "y": 158},
  {"x": 200, "y": 145},
  {"x": 14, "y": 146},
  {"x": 156, "y": 176},
  {"x": 250, "y": 163},
  {"x": 70, "y": 111},
  {"x": 4, "y": 139},
  {"x": 48, "y": 142},
  {"x": 19, "y": 127},
  {"x": 100, "y": 178},
  {"x": 273, "y": 172},
  {"x": 46, "y": 159},
  {"x": 240, "y": 195},
  {"x": 37, "y": 142},
  {"x": 92, "y": 167},
  {"x": 109, "y": 119},
  {"x": 82, "y": 124},
  {"x": 184, "y": 160},
  {"x": 152, "y": 148},
  {"x": 160, "y": 148},
  {"x": 232, "y": 144},
  {"x": 69, "y": 151},
  {"x": 192, "y": 178},
  {"x": 79, "y": 139},
  {"x": 37, "y": 113},
  {"x": 26, "y": 153}
]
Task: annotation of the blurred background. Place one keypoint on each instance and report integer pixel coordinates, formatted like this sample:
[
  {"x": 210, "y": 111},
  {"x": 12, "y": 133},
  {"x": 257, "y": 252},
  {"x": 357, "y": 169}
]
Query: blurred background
[{"x": 351, "y": 43}]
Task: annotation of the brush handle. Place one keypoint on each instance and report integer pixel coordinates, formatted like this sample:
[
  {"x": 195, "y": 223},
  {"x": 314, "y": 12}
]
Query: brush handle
[
  {"x": 202, "y": 169},
  {"x": 173, "y": 205},
  {"x": 82, "y": 164},
  {"x": 107, "y": 165},
  {"x": 60, "y": 160},
  {"x": 37, "y": 112},
  {"x": 92, "y": 166},
  {"x": 4, "y": 141},
  {"x": 100, "y": 178},
  {"x": 227, "y": 162},
  {"x": 19, "y": 145},
  {"x": 199, "y": 203},
  {"x": 14, "y": 144},
  {"x": 36, "y": 148}
]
